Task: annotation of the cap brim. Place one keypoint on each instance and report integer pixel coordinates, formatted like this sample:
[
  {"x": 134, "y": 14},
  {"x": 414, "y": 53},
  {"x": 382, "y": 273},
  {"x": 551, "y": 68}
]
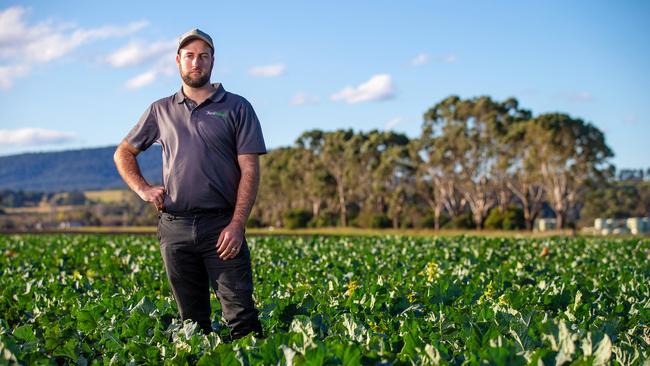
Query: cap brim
[{"x": 191, "y": 38}]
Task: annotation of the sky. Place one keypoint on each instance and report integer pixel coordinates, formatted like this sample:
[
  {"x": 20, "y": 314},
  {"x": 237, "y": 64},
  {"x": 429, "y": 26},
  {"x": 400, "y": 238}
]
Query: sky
[{"x": 78, "y": 74}]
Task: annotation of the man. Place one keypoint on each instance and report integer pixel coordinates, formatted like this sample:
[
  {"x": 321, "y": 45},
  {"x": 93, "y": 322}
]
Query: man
[{"x": 210, "y": 140}]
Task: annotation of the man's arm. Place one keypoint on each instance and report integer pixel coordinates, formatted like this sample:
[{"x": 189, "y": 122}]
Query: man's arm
[
  {"x": 127, "y": 166},
  {"x": 232, "y": 235}
]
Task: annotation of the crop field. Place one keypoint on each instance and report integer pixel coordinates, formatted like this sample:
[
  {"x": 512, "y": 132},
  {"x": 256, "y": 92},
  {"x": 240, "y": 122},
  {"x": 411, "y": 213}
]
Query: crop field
[{"x": 84, "y": 299}]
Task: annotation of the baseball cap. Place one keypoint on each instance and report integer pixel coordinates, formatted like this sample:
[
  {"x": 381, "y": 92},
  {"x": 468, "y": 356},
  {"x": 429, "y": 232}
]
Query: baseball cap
[{"x": 194, "y": 34}]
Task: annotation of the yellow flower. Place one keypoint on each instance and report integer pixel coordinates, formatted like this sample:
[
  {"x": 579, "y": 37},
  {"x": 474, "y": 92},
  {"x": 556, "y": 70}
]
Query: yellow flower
[
  {"x": 488, "y": 294},
  {"x": 76, "y": 275},
  {"x": 411, "y": 296},
  {"x": 432, "y": 270},
  {"x": 502, "y": 300},
  {"x": 352, "y": 285},
  {"x": 374, "y": 327}
]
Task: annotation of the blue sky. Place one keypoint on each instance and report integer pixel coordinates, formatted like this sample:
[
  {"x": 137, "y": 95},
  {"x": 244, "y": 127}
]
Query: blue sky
[{"x": 79, "y": 74}]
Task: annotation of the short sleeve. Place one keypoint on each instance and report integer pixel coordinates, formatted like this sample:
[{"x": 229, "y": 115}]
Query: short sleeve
[
  {"x": 249, "y": 132},
  {"x": 145, "y": 132}
]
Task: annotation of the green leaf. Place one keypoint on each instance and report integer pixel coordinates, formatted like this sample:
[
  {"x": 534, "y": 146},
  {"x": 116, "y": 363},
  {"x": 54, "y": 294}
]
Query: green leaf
[
  {"x": 316, "y": 356},
  {"x": 352, "y": 355},
  {"x": 25, "y": 333},
  {"x": 68, "y": 350},
  {"x": 86, "y": 321},
  {"x": 355, "y": 330},
  {"x": 603, "y": 351},
  {"x": 145, "y": 306},
  {"x": 8, "y": 350},
  {"x": 410, "y": 345}
]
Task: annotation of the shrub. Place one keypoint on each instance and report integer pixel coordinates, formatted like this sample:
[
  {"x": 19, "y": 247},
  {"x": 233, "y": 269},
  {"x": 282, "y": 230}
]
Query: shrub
[
  {"x": 494, "y": 220},
  {"x": 254, "y": 222},
  {"x": 296, "y": 218},
  {"x": 324, "y": 219},
  {"x": 462, "y": 221},
  {"x": 511, "y": 219},
  {"x": 428, "y": 221},
  {"x": 380, "y": 221},
  {"x": 372, "y": 220}
]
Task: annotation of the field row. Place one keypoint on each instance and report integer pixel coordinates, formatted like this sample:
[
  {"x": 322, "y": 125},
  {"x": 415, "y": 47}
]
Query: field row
[{"x": 82, "y": 299}]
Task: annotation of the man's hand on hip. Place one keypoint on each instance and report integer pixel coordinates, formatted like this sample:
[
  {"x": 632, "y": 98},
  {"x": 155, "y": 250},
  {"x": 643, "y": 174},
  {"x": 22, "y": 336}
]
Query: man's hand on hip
[
  {"x": 230, "y": 241},
  {"x": 153, "y": 194}
]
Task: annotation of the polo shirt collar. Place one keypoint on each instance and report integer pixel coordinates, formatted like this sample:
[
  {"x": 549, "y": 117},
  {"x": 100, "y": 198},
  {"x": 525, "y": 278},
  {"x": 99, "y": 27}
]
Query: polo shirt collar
[{"x": 214, "y": 97}]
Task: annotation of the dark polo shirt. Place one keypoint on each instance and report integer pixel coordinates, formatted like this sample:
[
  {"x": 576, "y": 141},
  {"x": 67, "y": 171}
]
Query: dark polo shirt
[{"x": 200, "y": 145}]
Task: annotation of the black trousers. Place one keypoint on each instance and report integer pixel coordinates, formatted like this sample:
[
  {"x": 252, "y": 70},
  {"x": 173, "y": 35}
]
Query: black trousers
[{"x": 188, "y": 244}]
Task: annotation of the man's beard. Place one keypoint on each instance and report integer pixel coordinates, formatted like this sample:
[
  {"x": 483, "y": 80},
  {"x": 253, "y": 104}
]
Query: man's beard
[{"x": 196, "y": 83}]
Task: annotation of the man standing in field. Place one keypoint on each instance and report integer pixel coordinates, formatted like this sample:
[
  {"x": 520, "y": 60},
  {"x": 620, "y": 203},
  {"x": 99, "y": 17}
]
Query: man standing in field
[{"x": 210, "y": 140}]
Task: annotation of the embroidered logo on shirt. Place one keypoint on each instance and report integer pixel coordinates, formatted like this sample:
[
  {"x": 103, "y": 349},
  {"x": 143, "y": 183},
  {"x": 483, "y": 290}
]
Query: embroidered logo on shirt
[{"x": 215, "y": 113}]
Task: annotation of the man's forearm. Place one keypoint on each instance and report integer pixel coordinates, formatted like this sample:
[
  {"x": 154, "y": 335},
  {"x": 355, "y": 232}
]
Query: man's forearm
[
  {"x": 127, "y": 166},
  {"x": 247, "y": 190}
]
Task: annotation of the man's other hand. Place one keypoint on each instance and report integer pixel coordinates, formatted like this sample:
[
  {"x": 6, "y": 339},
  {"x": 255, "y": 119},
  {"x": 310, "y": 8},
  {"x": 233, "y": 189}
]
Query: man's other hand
[
  {"x": 230, "y": 241},
  {"x": 153, "y": 194}
]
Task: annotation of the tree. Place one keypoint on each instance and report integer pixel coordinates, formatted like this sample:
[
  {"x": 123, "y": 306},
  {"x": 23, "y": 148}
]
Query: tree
[
  {"x": 463, "y": 137},
  {"x": 319, "y": 184},
  {"x": 393, "y": 178},
  {"x": 382, "y": 173},
  {"x": 336, "y": 151},
  {"x": 522, "y": 175},
  {"x": 571, "y": 155},
  {"x": 279, "y": 177},
  {"x": 430, "y": 180}
]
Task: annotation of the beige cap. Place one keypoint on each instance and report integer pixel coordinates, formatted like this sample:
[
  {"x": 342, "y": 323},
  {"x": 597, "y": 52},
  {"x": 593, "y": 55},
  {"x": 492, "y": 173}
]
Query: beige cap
[{"x": 194, "y": 34}]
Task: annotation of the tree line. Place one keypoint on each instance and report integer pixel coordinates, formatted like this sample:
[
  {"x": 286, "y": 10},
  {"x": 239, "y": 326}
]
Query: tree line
[
  {"x": 476, "y": 160},
  {"x": 477, "y": 163}
]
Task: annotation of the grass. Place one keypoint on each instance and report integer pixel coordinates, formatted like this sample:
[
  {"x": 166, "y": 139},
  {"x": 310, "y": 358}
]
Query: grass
[
  {"x": 107, "y": 196},
  {"x": 44, "y": 209},
  {"x": 330, "y": 231}
]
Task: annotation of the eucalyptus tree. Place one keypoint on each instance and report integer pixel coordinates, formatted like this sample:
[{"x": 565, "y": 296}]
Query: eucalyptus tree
[
  {"x": 317, "y": 184},
  {"x": 463, "y": 138},
  {"x": 278, "y": 176},
  {"x": 570, "y": 155},
  {"x": 391, "y": 175},
  {"x": 379, "y": 168},
  {"x": 336, "y": 151},
  {"x": 429, "y": 178},
  {"x": 523, "y": 176}
]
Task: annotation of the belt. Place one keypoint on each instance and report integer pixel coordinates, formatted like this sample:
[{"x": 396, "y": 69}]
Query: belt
[{"x": 200, "y": 211}]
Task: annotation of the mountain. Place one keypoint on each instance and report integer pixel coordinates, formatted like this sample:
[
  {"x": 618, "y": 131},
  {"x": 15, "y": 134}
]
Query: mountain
[{"x": 85, "y": 169}]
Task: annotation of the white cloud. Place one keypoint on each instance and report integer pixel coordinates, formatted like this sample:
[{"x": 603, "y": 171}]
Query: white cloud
[
  {"x": 9, "y": 73},
  {"x": 165, "y": 66},
  {"x": 22, "y": 44},
  {"x": 304, "y": 98},
  {"x": 582, "y": 96},
  {"x": 268, "y": 71},
  {"x": 421, "y": 59},
  {"x": 631, "y": 119},
  {"x": 49, "y": 47},
  {"x": 137, "y": 53},
  {"x": 450, "y": 58},
  {"x": 425, "y": 58},
  {"x": 141, "y": 80},
  {"x": 393, "y": 122},
  {"x": 379, "y": 87},
  {"x": 34, "y": 136}
]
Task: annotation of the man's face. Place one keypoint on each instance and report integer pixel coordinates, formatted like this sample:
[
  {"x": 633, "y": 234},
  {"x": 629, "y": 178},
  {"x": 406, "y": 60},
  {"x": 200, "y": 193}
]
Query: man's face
[{"x": 195, "y": 63}]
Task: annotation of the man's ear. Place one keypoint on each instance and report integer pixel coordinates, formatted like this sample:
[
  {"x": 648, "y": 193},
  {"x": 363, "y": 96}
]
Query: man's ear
[{"x": 178, "y": 59}]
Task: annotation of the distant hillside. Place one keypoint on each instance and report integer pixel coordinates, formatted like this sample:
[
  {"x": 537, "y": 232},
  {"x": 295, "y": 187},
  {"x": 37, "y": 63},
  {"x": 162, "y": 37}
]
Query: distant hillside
[{"x": 86, "y": 169}]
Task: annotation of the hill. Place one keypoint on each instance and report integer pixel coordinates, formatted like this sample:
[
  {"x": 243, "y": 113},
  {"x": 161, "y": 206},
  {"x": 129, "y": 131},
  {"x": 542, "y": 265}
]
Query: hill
[{"x": 84, "y": 169}]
